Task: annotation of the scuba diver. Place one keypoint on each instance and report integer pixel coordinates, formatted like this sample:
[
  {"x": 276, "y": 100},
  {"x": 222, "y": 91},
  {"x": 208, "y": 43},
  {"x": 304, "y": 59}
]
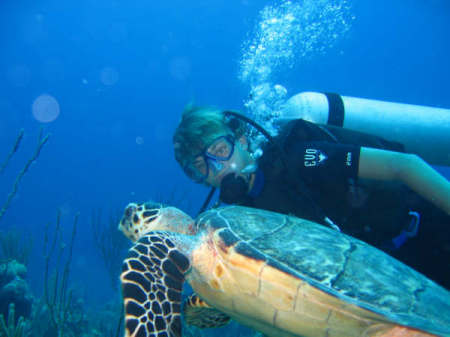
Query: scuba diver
[{"x": 361, "y": 184}]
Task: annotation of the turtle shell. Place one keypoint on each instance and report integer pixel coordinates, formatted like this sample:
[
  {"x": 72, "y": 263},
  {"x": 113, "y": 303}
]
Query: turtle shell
[{"x": 340, "y": 265}]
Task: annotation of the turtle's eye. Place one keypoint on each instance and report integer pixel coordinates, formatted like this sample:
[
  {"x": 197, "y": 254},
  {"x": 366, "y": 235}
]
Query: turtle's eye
[
  {"x": 148, "y": 214},
  {"x": 129, "y": 211}
]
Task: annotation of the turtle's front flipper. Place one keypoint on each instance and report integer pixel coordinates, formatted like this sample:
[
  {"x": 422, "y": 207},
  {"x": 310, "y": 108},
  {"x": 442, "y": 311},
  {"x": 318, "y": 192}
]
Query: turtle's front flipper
[
  {"x": 152, "y": 280},
  {"x": 198, "y": 313}
]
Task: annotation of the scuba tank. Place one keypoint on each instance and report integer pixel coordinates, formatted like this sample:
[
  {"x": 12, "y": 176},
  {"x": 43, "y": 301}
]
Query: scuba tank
[{"x": 423, "y": 130}]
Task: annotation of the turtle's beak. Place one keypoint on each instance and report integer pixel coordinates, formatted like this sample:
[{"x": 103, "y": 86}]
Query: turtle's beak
[
  {"x": 139, "y": 219},
  {"x": 129, "y": 221}
]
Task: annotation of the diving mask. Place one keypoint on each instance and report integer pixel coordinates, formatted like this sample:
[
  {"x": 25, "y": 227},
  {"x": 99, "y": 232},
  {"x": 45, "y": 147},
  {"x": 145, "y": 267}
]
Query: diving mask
[{"x": 212, "y": 158}]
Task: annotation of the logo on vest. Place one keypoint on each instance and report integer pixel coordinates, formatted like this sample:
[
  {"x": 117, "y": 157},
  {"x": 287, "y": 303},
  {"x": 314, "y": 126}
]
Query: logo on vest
[
  {"x": 314, "y": 157},
  {"x": 349, "y": 159}
]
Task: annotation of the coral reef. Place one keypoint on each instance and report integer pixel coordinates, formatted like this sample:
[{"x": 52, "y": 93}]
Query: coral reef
[
  {"x": 62, "y": 306},
  {"x": 13, "y": 150},
  {"x": 13, "y": 328},
  {"x": 42, "y": 140},
  {"x": 76, "y": 324},
  {"x": 111, "y": 244},
  {"x": 104, "y": 320},
  {"x": 15, "y": 246},
  {"x": 14, "y": 289}
]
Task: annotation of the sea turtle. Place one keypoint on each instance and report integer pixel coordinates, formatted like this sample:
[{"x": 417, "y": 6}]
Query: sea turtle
[{"x": 278, "y": 274}]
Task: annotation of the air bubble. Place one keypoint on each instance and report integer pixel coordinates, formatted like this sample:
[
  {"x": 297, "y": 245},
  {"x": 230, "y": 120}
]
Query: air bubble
[
  {"x": 45, "y": 108},
  {"x": 286, "y": 34},
  {"x": 292, "y": 31},
  {"x": 109, "y": 76}
]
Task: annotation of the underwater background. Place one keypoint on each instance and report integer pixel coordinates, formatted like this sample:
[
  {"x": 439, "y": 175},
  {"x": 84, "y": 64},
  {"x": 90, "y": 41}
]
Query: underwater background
[{"x": 108, "y": 80}]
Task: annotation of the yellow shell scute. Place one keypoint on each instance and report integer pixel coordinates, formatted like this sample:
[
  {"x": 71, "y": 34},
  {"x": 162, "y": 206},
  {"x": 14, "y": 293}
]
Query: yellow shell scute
[{"x": 278, "y": 288}]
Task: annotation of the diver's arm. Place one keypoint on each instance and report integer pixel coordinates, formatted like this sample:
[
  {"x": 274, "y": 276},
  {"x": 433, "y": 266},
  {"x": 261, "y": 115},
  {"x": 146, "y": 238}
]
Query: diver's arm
[{"x": 408, "y": 169}]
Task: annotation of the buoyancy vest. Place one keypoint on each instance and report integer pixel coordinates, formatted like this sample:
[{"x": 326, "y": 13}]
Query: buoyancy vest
[{"x": 380, "y": 217}]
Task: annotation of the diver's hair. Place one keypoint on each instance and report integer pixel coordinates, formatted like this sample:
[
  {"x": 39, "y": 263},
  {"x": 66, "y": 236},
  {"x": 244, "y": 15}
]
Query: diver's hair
[{"x": 199, "y": 126}]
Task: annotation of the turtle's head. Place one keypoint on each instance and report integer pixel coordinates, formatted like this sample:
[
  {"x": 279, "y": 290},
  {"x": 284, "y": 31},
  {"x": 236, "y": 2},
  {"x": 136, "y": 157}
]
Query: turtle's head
[{"x": 139, "y": 219}]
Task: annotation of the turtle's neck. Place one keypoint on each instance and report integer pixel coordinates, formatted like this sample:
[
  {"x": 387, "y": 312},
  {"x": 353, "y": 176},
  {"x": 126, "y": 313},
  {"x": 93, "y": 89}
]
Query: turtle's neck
[{"x": 177, "y": 221}]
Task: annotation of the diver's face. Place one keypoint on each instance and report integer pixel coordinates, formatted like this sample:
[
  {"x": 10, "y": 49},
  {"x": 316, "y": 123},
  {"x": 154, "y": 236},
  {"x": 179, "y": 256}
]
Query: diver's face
[{"x": 235, "y": 164}]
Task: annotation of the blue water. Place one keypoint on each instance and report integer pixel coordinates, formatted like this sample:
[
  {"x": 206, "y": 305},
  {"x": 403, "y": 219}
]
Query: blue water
[{"x": 120, "y": 73}]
